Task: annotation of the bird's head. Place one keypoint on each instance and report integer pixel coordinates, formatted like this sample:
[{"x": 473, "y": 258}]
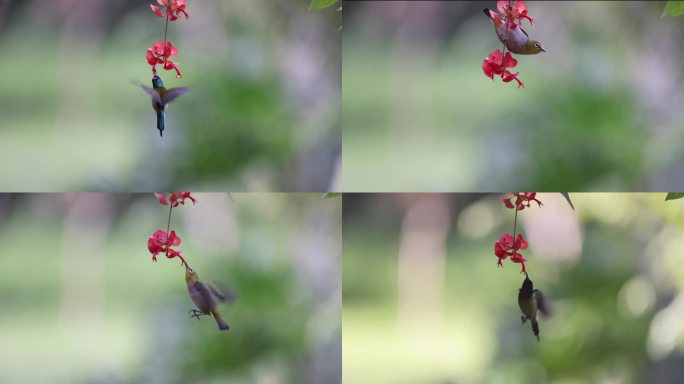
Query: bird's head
[
  {"x": 527, "y": 285},
  {"x": 157, "y": 82},
  {"x": 533, "y": 47},
  {"x": 190, "y": 275}
]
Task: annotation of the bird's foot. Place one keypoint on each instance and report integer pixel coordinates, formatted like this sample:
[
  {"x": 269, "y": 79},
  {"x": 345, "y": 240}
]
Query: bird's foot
[
  {"x": 523, "y": 319},
  {"x": 196, "y": 313}
]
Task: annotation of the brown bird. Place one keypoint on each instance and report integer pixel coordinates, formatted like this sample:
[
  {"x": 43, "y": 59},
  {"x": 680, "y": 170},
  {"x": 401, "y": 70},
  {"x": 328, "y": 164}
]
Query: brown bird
[
  {"x": 516, "y": 39},
  {"x": 531, "y": 301},
  {"x": 206, "y": 297}
]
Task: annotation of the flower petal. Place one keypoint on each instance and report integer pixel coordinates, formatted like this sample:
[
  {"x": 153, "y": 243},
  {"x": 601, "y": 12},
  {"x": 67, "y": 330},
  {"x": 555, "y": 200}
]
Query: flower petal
[
  {"x": 157, "y": 11},
  {"x": 161, "y": 197},
  {"x": 174, "y": 240}
]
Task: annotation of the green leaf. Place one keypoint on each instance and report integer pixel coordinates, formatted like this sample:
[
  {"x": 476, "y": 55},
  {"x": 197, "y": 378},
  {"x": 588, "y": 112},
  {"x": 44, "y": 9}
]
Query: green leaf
[
  {"x": 567, "y": 197},
  {"x": 674, "y": 196},
  {"x": 673, "y": 8},
  {"x": 331, "y": 194},
  {"x": 321, "y": 4}
]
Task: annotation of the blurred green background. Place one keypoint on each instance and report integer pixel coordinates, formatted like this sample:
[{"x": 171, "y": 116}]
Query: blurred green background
[
  {"x": 82, "y": 301},
  {"x": 601, "y": 109},
  {"x": 262, "y": 113},
  {"x": 424, "y": 300}
]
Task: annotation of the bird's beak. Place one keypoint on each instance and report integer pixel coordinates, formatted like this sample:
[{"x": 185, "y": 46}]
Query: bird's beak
[{"x": 542, "y": 49}]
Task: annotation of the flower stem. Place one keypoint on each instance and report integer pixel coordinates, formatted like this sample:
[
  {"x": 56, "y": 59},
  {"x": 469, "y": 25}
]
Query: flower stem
[
  {"x": 168, "y": 226},
  {"x": 515, "y": 223},
  {"x": 166, "y": 29},
  {"x": 503, "y": 54}
]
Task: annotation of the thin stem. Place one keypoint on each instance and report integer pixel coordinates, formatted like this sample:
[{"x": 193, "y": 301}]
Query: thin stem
[
  {"x": 168, "y": 226},
  {"x": 503, "y": 54},
  {"x": 166, "y": 29},
  {"x": 515, "y": 223}
]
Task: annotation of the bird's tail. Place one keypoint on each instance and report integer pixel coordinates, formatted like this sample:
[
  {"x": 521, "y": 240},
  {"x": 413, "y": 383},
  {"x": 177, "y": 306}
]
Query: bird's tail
[
  {"x": 222, "y": 325},
  {"x": 160, "y": 122},
  {"x": 493, "y": 16},
  {"x": 535, "y": 328}
]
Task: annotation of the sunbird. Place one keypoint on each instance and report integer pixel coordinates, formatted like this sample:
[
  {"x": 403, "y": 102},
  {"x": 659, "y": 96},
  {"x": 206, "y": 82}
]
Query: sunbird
[
  {"x": 160, "y": 97},
  {"x": 531, "y": 301},
  {"x": 515, "y": 39},
  {"x": 206, "y": 297}
]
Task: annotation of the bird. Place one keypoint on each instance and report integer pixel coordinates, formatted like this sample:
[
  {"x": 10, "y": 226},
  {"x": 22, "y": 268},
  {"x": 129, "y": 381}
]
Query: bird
[
  {"x": 515, "y": 38},
  {"x": 531, "y": 301},
  {"x": 206, "y": 297},
  {"x": 161, "y": 97}
]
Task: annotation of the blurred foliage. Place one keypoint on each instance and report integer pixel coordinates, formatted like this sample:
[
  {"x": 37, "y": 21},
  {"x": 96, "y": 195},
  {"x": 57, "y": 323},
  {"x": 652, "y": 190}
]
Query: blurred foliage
[
  {"x": 597, "y": 113},
  {"x": 611, "y": 304},
  {"x": 89, "y": 305},
  {"x": 673, "y": 8},
  {"x": 262, "y": 112},
  {"x": 322, "y": 4},
  {"x": 674, "y": 196}
]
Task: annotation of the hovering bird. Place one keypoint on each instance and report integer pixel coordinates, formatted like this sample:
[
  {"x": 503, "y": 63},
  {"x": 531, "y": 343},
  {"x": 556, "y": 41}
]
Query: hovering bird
[
  {"x": 531, "y": 301},
  {"x": 161, "y": 97},
  {"x": 206, "y": 297},
  {"x": 515, "y": 38}
]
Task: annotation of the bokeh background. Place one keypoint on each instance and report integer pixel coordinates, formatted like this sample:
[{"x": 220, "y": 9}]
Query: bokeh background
[
  {"x": 82, "y": 302},
  {"x": 601, "y": 110},
  {"x": 424, "y": 300},
  {"x": 262, "y": 113}
]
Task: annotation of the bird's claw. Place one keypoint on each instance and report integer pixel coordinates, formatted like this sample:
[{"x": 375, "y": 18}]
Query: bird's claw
[
  {"x": 523, "y": 319},
  {"x": 195, "y": 313}
]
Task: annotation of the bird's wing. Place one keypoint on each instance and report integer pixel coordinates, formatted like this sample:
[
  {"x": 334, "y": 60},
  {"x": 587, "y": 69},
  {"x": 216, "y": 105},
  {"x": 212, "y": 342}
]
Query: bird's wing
[
  {"x": 201, "y": 296},
  {"x": 523, "y": 31},
  {"x": 173, "y": 93},
  {"x": 221, "y": 293},
  {"x": 152, "y": 93},
  {"x": 542, "y": 303}
]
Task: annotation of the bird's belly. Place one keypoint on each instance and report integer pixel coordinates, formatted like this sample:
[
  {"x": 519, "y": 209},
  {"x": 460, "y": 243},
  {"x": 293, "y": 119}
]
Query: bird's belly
[
  {"x": 515, "y": 42},
  {"x": 202, "y": 302},
  {"x": 528, "y": 308}
]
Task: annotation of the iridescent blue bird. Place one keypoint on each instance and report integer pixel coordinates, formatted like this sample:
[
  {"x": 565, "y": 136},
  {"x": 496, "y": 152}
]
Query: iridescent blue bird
[{"x": 161, "y": 97}]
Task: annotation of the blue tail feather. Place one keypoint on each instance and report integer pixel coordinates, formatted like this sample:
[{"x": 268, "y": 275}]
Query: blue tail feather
[{"x": 160, "y": 122}]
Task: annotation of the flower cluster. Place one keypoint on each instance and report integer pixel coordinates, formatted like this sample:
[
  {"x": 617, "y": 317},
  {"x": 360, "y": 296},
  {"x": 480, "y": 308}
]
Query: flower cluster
[
  {"x": 522, "y": 200},
  {"x": 497, "y": 63},
  {"x": 506, "y": 246},
  {"x": 160, "y": 53},
  {"x": 163, "y": 241},
  {"x": 162, "y": 50},
  {"x": 513, "y": 11},
  {"x": 173, "y": 9},
  {"x": 175, "y": 198},
  {"x": 509, "y": 244}
]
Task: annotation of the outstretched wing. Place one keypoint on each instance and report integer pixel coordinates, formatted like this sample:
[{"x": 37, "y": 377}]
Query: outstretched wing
[
  {"x": 153, "y": 94},
  {"x": 173, "y": 93},
  {"x": 542, "y": 303},
  {"x": 221, "y": 293}
]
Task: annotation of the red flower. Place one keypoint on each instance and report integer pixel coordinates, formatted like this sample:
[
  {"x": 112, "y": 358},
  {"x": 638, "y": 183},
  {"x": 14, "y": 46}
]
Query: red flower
[
  {"x": 179, "y": 198},
  {"x": 507, "y": 247},
  {"x": 517, "y": 11},
  {"x": 160, "y": 53},
  {"x": 496, "y": 64},
  {"x": 159, "y": 242},
  {"x": 175, "y": 198},
  {"x": 173, "y": 9},
  {"x": 522, "y": 200}
]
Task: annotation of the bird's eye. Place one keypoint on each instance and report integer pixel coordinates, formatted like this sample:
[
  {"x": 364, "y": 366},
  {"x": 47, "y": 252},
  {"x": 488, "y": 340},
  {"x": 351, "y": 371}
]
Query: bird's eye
[{"x": 537, "y": 45}]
